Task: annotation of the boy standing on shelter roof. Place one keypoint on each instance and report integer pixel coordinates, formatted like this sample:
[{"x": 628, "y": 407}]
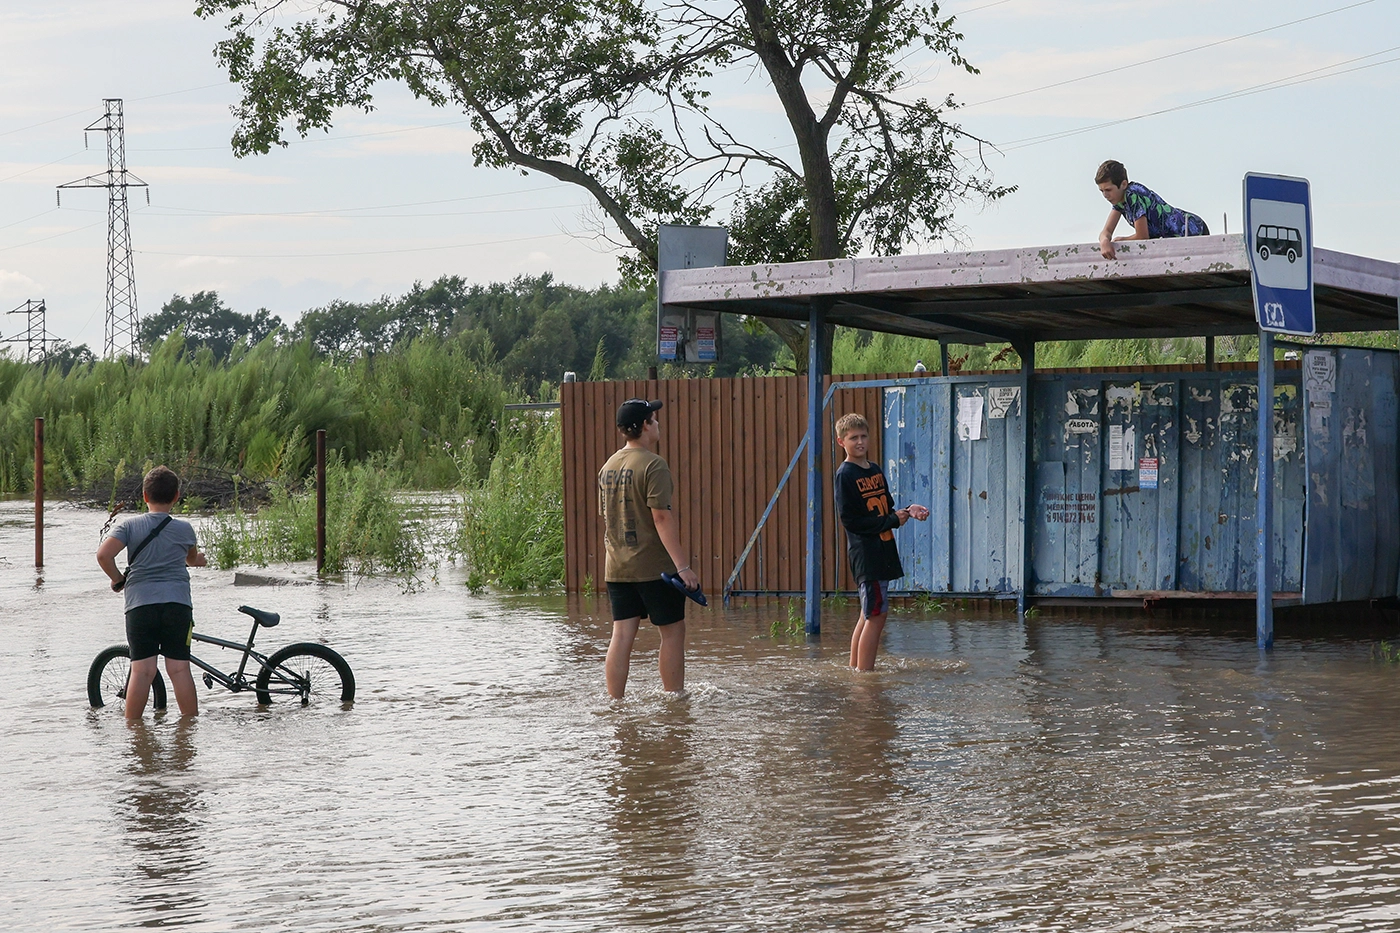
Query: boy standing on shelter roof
[
  {"x": 1150, "y": 216},
  {"x": 156, "y": 586},
  {"x": 643, "y": 540},
  {"x": 863, "y": 502}
]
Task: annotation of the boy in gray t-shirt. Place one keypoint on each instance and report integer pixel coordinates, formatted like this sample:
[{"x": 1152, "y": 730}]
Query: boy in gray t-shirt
[{"x": 156, "y": 586}]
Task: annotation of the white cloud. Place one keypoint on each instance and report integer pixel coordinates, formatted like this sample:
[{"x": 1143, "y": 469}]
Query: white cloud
[{"x": 17, "y": 286}]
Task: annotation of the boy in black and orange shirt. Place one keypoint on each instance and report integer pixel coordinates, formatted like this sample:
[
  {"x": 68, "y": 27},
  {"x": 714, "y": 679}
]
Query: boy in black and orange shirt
[{"x": 863, "y": 502}]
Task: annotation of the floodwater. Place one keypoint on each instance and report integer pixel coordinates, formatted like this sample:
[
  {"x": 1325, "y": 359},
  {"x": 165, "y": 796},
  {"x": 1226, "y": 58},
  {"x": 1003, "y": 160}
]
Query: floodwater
[{"x": 1055, "y": 775}]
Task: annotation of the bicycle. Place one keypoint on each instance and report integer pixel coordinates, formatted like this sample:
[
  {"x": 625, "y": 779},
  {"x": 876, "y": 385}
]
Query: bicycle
[{"x": 307, "y": 670}]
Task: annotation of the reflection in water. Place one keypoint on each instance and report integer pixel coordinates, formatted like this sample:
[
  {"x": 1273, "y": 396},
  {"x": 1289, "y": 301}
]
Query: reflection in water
[
  {"x": 160, "y": 819},
  {"x": 1057, "y": 776},
  {"x": 656, "y": 815}
]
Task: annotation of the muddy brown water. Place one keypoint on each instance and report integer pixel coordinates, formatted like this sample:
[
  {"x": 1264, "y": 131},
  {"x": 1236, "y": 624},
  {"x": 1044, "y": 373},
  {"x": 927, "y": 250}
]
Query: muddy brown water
[{"x": 992, "y": 775}]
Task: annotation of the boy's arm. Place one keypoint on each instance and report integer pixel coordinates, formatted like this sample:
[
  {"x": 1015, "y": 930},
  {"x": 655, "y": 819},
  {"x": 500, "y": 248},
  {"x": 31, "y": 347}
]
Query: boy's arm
[
  {"x": 195, "y": 557},
  {"x": 1106, "y": 234},
  {"x": 669, "y": 531},
  {"x": 857, "y": 517},
  {"x": 1139, "y": 231},
  {"x": 107, "y": 553}
]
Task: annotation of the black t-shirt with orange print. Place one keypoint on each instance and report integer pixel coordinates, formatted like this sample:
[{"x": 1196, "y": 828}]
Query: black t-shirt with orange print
[{"x": 863, "y": 502}]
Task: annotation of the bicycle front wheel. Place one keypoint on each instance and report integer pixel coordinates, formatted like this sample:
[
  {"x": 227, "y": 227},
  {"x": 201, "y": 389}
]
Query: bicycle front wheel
[
  {"x": 108, "y": 675},
  {"x": 307, "y": 672}
]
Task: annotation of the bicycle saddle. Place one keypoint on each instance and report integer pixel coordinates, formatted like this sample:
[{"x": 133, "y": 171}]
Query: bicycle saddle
[{"x": 265, "y": 619}]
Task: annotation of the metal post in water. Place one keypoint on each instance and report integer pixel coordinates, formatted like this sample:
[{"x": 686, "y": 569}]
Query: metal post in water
[
  {"x": 1028, "y": 486},
  {"x": 816, "y": 443},
  {"x": 1264, "y": 577},
  {"x": 320, "y": 499},
  {"x": 38, "y": 492}
]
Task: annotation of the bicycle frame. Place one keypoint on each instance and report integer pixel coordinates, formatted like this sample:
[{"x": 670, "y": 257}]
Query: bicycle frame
[{"x": 241, "y": 680}]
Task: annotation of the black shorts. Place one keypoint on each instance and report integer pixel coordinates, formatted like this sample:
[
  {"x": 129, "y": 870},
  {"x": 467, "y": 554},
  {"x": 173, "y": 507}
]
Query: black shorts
[
  {"x": 160, "y": 628},
  {"x": 654, "y": 599}
]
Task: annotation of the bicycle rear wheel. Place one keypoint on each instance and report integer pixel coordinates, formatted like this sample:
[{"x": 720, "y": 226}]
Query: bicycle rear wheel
[
  {"x": 108, "y": 675},
  {"x": 307, "y": 672}
]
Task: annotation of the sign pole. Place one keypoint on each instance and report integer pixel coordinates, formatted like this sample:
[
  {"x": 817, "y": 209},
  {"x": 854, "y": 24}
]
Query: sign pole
[
  {"x": 1279, "y": 242},
  {"x": 1264, "y": 524}
]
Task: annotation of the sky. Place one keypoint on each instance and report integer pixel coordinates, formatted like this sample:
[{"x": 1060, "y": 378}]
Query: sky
[{"x": 1189, "y": 94}]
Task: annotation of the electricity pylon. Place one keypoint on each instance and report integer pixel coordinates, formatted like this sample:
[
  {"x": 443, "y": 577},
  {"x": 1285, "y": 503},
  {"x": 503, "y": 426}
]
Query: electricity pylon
[
  {"x": 36, "y": 335},
  {"x": 122, "y": 337}
]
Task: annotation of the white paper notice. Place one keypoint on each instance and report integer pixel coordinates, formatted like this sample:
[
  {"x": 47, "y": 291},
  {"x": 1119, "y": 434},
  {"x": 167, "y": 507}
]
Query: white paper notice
[
  {"x": 1121, "y": 455},
  {"x": 969, "y": 417},
  {"x": 1320, "y": 372},
  {"x": 1000, "y": 400}
]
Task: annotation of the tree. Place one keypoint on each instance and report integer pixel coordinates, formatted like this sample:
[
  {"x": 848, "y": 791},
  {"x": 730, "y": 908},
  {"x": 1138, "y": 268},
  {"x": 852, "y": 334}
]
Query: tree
[
  {"x": 612, "y": 95},
  {"x": 207, "y": 322}
]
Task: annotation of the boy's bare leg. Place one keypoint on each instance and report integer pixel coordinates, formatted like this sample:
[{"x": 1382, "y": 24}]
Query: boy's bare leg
[
  {"x": 185, "y": 693},
  {"x": 620, "y": 655},
  {"x": 138, "y": 686},
  {"x": 855, "y": 639},
  {"x": 673, "y": 657},
  {"x": 869, "y": 645}
]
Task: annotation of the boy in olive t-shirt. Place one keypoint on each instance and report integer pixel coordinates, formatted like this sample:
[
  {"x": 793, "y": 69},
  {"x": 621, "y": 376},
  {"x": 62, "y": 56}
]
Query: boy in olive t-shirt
[{"x": 642, "y": 541}]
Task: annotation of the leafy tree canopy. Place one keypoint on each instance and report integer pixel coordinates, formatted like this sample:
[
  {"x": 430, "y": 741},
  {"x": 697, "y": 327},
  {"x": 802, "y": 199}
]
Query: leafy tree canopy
[
  {"x": 207, "y": 322},
  {"x": 613, "y": 96},
  {"x": 533, "y": 328}
]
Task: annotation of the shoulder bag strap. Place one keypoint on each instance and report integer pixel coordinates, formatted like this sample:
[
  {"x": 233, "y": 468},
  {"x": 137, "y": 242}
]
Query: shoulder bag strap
[{"x": 131, "y": 556}]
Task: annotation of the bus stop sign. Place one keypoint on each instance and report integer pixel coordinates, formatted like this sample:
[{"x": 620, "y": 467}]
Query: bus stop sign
[{"x": 1278, "y": 235}]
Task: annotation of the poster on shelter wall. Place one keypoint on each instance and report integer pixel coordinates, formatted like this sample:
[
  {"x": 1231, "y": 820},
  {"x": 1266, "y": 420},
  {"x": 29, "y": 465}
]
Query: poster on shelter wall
[
  {"x": 1121, "y": 447},
  {"x": 969, "y": 417},
  {"x": 1320, "y": 372},
  {"x": 1002, "y": 399}
]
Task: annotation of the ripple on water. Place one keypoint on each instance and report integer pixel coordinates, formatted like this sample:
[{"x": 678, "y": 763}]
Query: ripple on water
[{"x": 987, "y": 776}]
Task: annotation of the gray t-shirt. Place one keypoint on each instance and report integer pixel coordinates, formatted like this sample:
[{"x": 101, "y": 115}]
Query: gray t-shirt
[{"x": 159, "y": 574}]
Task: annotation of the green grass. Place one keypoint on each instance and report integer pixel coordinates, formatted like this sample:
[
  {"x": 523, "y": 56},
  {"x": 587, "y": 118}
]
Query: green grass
[
  {"x": 513, "y": 521},
  {"x": 368, "y": 528}
]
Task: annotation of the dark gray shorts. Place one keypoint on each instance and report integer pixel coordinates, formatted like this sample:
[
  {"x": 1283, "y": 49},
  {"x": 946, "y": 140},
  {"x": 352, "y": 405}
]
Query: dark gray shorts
[
  {"x": 160, "y": 628},
  {"x": 654, "y": 599}
]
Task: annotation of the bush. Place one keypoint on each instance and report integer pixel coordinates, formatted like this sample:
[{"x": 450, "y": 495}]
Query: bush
[{"x": 513, "y": 522}]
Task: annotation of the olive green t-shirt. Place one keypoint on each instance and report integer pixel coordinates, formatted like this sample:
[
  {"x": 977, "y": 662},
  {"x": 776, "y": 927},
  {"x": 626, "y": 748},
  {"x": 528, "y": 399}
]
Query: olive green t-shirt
[{"x": 632, "y": 483}]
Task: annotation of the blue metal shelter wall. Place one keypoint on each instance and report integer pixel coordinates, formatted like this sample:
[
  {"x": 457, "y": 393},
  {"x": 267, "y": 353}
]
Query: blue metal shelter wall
[
  {"x": 1098, "y": 527},
  {"x": 1353, "y": 479},
  {"x": 972, "y": 482}
]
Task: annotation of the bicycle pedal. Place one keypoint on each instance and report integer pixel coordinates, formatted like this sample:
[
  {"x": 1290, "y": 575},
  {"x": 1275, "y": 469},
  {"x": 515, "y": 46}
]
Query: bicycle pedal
[{"x": 209, "y": 681}]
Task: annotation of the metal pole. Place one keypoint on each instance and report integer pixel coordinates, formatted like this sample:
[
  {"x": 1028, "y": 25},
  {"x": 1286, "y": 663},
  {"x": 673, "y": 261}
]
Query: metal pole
[
  {"x": 320, "y": 500},
  {"x": 1264, "y": 577},
  {"x": 38, "y": 492},
  {"x": 1210, "y": 354},
  {"x": 1028, "y": 486},
  {"x": 816, "y": 449}
]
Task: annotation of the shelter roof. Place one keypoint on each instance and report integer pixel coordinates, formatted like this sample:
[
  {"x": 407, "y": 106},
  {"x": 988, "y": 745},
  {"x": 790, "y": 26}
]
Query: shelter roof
[{"x": 1190, "y": 287}]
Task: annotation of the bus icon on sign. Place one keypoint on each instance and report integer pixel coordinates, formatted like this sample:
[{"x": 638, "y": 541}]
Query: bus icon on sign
[
  {"x": 1273, "y": 315},
  {"x": 1280, "y": 241}
]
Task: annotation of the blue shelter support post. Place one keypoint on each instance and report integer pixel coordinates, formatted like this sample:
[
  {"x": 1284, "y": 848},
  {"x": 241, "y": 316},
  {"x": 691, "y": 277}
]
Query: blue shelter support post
[
  {"x": 816, "y": 449},
  {"x": 1028, "y": 493},
  {"x": 943, "y": 355},
  {"x": 1264, "y": 576},
  {"x": 1210, "y": 354}
]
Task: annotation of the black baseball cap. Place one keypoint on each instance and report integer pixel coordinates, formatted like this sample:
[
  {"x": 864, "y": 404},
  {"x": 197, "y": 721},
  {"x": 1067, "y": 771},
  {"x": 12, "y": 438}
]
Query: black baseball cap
[{"x": 634, "y": 411}]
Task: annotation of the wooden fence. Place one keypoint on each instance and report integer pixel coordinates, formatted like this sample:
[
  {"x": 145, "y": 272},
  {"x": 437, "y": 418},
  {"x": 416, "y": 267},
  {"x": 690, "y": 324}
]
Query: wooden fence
[{"x": 728, "y": 442}]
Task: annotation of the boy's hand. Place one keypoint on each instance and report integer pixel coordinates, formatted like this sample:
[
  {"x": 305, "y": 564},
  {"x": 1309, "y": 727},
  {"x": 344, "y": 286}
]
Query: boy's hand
[
  {"x": 917, "y": 512},
  {"x": 902, "y": 515},
  {"x": 690, "y": 578},
  {"x": 1106, "y": 249}
]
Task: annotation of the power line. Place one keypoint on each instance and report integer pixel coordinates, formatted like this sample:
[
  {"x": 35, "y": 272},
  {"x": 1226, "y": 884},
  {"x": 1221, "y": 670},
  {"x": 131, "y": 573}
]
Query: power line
[
  {"x": 1289, "y": 81},
  {"x": 371, "y": 252},
  {"x": 1161, "y": 58}
]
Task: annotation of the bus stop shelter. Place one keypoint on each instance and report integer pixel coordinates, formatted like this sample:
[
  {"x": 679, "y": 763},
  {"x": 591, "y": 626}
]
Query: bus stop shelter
[{"x": 1169, "y": 288}]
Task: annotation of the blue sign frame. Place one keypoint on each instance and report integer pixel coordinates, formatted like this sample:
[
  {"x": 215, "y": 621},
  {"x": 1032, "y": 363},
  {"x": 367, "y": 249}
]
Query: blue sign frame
[{"x": 1278, "y": 235}]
